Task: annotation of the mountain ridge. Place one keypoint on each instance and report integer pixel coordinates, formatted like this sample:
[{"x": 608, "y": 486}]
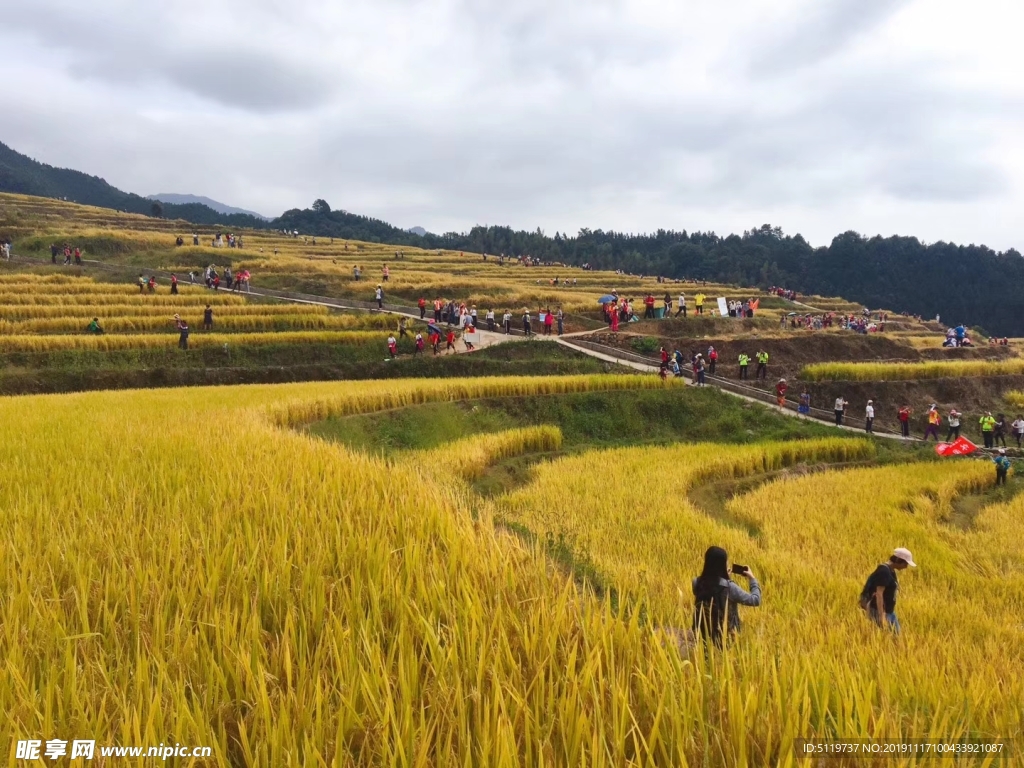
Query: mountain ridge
[{"x": 175, "y": 198}]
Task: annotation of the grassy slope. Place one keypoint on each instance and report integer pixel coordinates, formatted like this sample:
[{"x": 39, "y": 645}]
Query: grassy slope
[
  {"x": 607, "y": 418},
  {"x": 69, "y": 371}
]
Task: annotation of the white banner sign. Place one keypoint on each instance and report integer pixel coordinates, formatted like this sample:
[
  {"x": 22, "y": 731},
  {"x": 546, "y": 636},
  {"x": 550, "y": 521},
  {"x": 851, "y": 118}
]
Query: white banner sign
[{"x": 723, "y": 307}]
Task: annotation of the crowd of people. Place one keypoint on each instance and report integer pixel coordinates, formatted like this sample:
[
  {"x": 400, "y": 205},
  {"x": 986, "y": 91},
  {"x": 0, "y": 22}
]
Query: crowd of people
[
  {"x": 71, "y": 255},
  {"x": 865, "y": 323}
]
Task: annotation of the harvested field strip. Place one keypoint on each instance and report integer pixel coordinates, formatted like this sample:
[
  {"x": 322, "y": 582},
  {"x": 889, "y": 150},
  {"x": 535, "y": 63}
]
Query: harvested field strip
[
  {"x": 164, "y": 297},
  {"x": 153, "y": 341},
  {"x": 194, "y": 315},
  {"x": 18, "y": 312}
]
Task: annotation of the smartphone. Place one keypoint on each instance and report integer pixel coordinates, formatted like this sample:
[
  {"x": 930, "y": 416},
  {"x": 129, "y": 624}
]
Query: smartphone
[{"x": 740, "y": 569}]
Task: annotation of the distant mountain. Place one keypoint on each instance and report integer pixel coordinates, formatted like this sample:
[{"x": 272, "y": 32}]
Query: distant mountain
[
  {"x": 23, "y": 175},
  {"x": 175, "y": 199},
  {"x": 417, "y": 231}
]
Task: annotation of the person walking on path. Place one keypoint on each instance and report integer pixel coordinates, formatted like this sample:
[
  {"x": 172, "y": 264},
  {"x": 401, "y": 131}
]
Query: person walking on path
[
  {"x": 422, "y": 304},
  {"x": 805, "y": 403},
  {"x": 450, "y": 342},
  {"x": 1002, "y": 466},
  {"x": 1018, "y": 429},
  {"x": 379, "y": 296},
  {"x": 142, "y": 284},
  {"x": 712, "y": 360},
  {"x": 717, "y": 598},
  {"x": 869, "y": 417},
  {"x": 182, "y": 327},
  {"x": 953, "y": 419},
  {"x": 549, "y": 322},
  {"x": 903, "y": 416},
  {"x": 999, "y": 430},
  {"x": 489, "y": 317},
  {"x": 560, "y": 318},
  {"x": 526, "y": 323},
  {"x": 762, "y": 365},
  {"x": 988, "y": 425},
  {"x": 840, "y": 410},
  {"x": 681, "y": 308},
  {"x": 419, "y": 344},
  {"x": 435, "y": 342},
  {"x": 744, "y": 364},
  {"x": 780, "y": 392},
  {"x": 701, "y": 367},
  {"x": 402, "y": 332},
  {"x": 878, "y": 598},
  {"x": 392, "y": 346},
  {"x": 208, "y": 318},
  {"x": 934, "y": 419},
  {"x": 506, "y": 321}
]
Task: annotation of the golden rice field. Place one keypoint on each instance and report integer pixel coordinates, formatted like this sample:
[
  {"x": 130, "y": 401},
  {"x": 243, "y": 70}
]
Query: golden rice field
[
  {"x": 51, "y": 312},
  {"x": 909, "y": 371},
  {"x": 232, "y": 582},
  {"x": 278, "y": 261}
]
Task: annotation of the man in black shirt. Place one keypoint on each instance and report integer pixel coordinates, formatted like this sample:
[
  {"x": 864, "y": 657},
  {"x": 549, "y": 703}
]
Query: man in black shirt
[
  {"x": 878, "y": 597},
  {"x": 208, "y": 318}
]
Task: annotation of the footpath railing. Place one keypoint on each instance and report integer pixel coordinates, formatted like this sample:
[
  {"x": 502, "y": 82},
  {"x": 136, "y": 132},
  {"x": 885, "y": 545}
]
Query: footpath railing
[{"x": 731, "y": 385}]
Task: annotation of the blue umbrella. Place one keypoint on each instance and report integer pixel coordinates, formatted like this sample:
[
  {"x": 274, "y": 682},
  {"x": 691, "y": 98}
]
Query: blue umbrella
[
  {"x": 434, "y": 329},
  {"x": 606, "y": 299}
]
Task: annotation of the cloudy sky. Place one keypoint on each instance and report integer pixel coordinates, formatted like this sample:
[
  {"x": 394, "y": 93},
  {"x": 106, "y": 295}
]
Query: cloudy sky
[{"x": 819, "y": 116}]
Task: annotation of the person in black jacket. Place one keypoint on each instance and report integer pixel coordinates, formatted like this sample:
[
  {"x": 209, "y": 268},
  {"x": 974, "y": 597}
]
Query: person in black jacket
[{"x": 878, "y": 597}]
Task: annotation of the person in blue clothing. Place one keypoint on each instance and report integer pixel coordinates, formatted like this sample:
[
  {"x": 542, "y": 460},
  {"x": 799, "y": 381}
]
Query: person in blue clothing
[
  {"x": 717, "y": 598},
  {"x": 960, "y": 332},
  {"x": 1002, "y": 466}
]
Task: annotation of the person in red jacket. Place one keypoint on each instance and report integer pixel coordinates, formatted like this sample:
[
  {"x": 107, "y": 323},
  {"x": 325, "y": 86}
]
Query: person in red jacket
[
  {"x": 648, "y": 307},
  {"x": 904, "y": 418},
  {"x": 664, "y": 357},
  {"x": 712, "y": 360},
  {"x": 423, "y": 307},
  {"x": 450, "y": 341}
]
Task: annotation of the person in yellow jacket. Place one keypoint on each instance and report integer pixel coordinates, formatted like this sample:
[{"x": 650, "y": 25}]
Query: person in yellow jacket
[
  {"x": 988, "y": 425},
  {"x": 762, "y": 365},
  {"x": 934, "y": 419},
  {"x": 744, "y": 363},
  {"x": 698, "y": 302}
]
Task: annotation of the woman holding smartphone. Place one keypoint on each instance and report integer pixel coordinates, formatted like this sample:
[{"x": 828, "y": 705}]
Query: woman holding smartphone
[{"x": 717, "y": 597}]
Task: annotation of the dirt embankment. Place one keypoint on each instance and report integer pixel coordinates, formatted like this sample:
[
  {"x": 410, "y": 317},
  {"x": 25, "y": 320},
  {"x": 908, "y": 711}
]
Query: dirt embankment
[
  {"x": 971, "y": 396},
  {"x": 789, "y": 354}
]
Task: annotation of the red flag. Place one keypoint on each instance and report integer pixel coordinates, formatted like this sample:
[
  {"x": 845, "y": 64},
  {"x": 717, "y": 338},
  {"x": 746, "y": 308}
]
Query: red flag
[
  {"x": 959, "y": 447},
  {"x": 755, "y": 304}
]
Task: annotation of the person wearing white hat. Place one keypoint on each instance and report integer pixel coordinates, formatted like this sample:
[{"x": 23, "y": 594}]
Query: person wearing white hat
[
  {"x": 878, "y": 598},
  {"x": 1002, "y": 463}
]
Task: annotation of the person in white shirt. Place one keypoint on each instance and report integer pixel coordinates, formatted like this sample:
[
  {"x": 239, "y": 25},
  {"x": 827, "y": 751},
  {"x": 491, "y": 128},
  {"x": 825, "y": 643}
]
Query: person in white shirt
[
  {"x": 1018, "y": 429},
  {"x": 840, "y": 409},
  {"x": 490, "y": 319},
  {"x": 869, "y": 417},
  {"x": 506, "y": 321},
  {"x": 681, "y": 307}
]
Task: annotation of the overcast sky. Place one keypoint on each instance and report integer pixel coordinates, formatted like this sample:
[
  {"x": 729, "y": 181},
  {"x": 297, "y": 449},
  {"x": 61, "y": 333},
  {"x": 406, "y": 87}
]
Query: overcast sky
[{"x": 819, "y": 116}]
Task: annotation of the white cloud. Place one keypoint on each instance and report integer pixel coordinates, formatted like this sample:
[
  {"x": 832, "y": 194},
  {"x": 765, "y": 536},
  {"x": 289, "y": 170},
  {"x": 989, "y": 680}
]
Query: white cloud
[{"x": 820, "y": 116}]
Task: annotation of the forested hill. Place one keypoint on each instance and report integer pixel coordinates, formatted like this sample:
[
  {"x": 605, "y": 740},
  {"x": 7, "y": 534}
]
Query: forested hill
[
  {"x": 970, "y": 284},
  {"x": 23, "y": 175}
]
